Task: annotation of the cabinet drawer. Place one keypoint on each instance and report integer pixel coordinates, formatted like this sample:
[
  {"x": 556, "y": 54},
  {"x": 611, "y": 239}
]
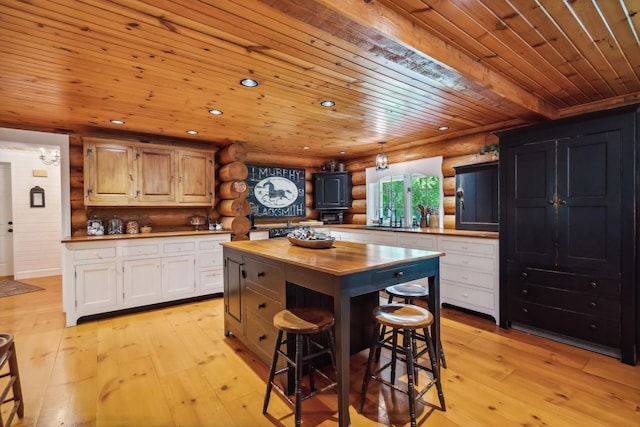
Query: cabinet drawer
[
  {"x": 178, "y": 247},
  {"x": 212, "y": 280},
  {"x": 589, "y": 284},
  {"x": 468, "y": 277},
  {"x": 380, "y": 237},
  {"x": 99, "y": 253},
  {"x": 397, "y": 274},
  {"x": 417, "y": 241},
  {"x": 261, "y": 337},
  {"x": 468, "y": 297},
  {"x": 580, "y": 302},
  {"x": 212, "y": 244},
  {"x": 211, "y": 259},
  {"x": 487, "y": 265},
  {"x": 268, "y": 276},
  {"x": 261, "y": 305},
  {"x": 589, "y": 328},
  {"x": 470, "y": 246},
  {"x": 128, "y": 251}
]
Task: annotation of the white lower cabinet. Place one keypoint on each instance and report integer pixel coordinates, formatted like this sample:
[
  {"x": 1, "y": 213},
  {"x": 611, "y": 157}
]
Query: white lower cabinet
[
  {"x": 469, "y": 274},
  {"x": 106, "y": 276}
]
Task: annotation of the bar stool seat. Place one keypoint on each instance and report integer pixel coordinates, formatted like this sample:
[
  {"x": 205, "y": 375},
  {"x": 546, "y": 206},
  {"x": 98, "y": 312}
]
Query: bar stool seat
[
  {"x": 406, "y": 318},
  {"x": 408, "y": 292},
  {"x": 301, "y": 324},
  {"x": 8, "y": 355}
]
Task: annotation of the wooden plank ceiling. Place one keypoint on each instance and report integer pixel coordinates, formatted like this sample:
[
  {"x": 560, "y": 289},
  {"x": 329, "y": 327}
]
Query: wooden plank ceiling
[{"x": 396, "y": 69}]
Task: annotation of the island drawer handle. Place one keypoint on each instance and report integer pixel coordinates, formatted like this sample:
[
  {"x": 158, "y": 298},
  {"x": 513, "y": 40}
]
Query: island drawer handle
[
  {"x": 262, "y": 337},
  {"x": 262, "y": 305},
  {"x": 398, "y": 274},
  {"x": 260, "y": 274}
]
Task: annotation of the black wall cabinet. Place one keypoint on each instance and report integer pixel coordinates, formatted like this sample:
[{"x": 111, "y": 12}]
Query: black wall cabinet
[
  {"x": 477, "y": 197},
  {"x": 332, "y": 190},
  {"x": 568, "y": 246}
]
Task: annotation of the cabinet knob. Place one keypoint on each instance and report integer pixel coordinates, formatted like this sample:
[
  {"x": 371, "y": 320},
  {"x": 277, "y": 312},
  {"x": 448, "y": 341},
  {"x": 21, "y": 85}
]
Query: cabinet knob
[
  {"x": 593, "y": 326},
  {"x": 262, "y": 337},
  {"x": 593, "y": 285},
  {"x": 260, "y": 274},
  {"x": 398, "y": 274},
  {"x": 593, "y": 304},
  {"x": 262, "y": 305},
  {"x": 552, "y": 202},
  {"x": 525, "y": 310},
  {"x": 524, "y": 291},
  {"x": 563, "y": 202},
  {"x": 243, "y": 274},
  {"x": 524, "y": 274}
]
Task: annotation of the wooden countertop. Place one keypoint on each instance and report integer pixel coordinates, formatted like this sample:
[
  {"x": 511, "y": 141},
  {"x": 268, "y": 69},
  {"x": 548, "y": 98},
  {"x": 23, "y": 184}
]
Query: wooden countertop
[
  {"x": 341, "y": 259},
  {"x": 433, "y": 231},
  {"x": 107, "y": 237}
]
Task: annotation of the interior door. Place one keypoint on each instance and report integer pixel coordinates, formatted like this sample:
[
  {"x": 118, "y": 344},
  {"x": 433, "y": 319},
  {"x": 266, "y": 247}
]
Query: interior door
[{"x": 6, "y": 222}]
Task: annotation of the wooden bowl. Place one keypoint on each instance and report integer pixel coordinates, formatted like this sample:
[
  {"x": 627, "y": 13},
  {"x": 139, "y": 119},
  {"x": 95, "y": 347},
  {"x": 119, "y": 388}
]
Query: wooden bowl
[{"x": 312, "y": 244}]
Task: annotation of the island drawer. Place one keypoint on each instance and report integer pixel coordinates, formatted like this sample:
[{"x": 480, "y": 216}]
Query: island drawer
[
  {"x": 397, "y": 274},
  {"x": 260, "y": 305},
  {"x": 261, "y": 337},
  {"x": 268, "y": 276}
]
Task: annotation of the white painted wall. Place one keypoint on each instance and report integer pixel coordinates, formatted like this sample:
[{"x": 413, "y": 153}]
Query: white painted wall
[{"x": 37, "y": 231}]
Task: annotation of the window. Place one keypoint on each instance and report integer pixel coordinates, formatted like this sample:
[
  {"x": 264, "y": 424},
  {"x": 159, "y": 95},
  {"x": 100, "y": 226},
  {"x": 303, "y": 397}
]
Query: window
[{"x": 393, "y": 196}]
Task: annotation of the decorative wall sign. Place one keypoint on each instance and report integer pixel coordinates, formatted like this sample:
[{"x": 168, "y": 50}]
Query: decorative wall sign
[{"x": 276, "y": 192}]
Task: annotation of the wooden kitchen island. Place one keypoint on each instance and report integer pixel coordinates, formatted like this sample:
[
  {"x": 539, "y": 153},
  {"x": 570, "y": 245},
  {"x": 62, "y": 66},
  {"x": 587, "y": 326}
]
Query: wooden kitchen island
[{"x": 264, "y": 276}]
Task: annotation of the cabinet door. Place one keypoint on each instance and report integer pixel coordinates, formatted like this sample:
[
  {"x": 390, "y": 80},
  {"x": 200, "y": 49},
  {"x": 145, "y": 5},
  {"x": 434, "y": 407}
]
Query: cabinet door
[
  {"x": 96, "y": 287},
  {"x": 109, "y": 174},
  {"x": 588, "y": 202},
  {"x": 332, "y": 190},
  {"x": 156, "y": 175},
  {"x": 195, "y": 182},
  {"x": 178, "y": 276},
  {"x": 477, "y": 201},
  {"x": 232, "y": 290},
  {"x": 530, "y": 194},
  {"x": 142, "y": 281}
]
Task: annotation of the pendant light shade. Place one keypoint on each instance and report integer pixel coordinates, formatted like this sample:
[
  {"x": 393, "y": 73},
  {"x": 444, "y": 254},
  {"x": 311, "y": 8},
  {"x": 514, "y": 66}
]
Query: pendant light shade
[{"x": 382, "y": 160}]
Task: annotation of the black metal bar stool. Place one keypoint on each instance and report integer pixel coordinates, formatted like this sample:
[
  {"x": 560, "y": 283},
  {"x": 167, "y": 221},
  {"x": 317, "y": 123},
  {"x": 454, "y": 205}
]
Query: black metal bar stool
[
  {"x": 406, "y": 318},
  {"x": 408, "y": 292},
  {"x": 8, "y": 355},
  {"x": 300, "y": 324}
]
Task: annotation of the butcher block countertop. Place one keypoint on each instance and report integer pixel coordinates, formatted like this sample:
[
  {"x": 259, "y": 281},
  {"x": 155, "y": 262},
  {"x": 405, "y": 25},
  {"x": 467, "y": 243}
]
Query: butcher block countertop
[
  {"x": 107, "y": 237},
  {"x": 432, "y": 231},
  {"x": 341, "y": 259}
]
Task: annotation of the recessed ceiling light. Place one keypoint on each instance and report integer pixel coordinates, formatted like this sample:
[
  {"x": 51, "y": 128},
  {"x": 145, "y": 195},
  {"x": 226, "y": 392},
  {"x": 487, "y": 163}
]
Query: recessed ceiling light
[
  {"x": 443, "y": 128},
  {"x": 306, "y": 147},
  {"x": 327, "y": 103},
  {"x": 192, "y": 132},
  {"x": 215, "y": 112},
  {"x": 117, "y": 122},
  {"x": 249, "y": 82},
  {"x": 343, "y": 152}
]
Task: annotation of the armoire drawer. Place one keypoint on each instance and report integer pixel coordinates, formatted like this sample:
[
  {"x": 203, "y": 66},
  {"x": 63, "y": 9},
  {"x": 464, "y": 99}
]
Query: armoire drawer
[
  {"x": 594, "y": 329},
  {"x": 589, "y": 284}
]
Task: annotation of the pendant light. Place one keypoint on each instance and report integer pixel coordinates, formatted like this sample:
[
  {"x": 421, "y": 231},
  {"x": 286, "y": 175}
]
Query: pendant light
[{"x": 382, "y": 160}]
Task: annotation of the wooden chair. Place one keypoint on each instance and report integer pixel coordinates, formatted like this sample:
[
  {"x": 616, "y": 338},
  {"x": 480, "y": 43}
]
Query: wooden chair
[
  {"x": 404, "y": 318},
  {"x": 300, "y": 324},
  {"x": 8, "y": 357}
]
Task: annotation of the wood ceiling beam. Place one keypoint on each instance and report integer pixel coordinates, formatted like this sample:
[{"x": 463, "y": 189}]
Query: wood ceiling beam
[{"x": 464, "y": 71}]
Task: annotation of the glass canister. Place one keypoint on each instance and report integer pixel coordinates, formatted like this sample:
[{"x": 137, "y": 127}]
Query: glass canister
[
  {"x": 133, "y": 227},
  {"x": 95, "y": 227},
  {"x": 114, "y": 226}
]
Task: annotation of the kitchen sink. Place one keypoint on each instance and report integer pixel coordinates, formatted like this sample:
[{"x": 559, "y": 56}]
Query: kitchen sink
[{"x": 387, "y": 227}]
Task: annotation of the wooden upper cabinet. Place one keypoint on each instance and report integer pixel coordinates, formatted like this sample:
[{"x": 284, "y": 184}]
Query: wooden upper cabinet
[
  {"x": 109, "y": 174},
  {"x": 195, "y": 181},
  {"x": 137, "y": 174},
  {"x": 156, "y": 175}
]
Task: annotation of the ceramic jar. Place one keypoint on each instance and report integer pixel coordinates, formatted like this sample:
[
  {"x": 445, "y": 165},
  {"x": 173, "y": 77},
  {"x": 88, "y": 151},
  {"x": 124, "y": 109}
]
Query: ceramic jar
[{"x": 133, "y": 227}]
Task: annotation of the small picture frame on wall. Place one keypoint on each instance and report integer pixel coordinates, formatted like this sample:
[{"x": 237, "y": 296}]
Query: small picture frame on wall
[{"x": 37, "y": 197}]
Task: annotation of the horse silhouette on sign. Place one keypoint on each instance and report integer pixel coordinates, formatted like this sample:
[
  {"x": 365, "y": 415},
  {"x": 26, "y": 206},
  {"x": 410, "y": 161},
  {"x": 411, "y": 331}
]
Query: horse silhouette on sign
[{"x": 276, "y": 193}]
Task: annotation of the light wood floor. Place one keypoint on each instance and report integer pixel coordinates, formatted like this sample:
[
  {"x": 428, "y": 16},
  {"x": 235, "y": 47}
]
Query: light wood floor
[{"x": 174, "y": 367}]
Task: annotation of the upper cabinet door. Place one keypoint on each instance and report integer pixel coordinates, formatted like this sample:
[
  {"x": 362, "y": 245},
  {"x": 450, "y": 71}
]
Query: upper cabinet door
[
  {"x": 332, "y": 190},
  {"x": 156, "y": 175},
  {"x": 109, "y": 173},
  {"x": 195, "y": 177}
]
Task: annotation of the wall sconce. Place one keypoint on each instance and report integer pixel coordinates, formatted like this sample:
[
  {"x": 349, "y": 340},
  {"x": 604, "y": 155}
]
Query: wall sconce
[
  {"x": 382, "y": 160},
  {"x": 55, "y": 159}
]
